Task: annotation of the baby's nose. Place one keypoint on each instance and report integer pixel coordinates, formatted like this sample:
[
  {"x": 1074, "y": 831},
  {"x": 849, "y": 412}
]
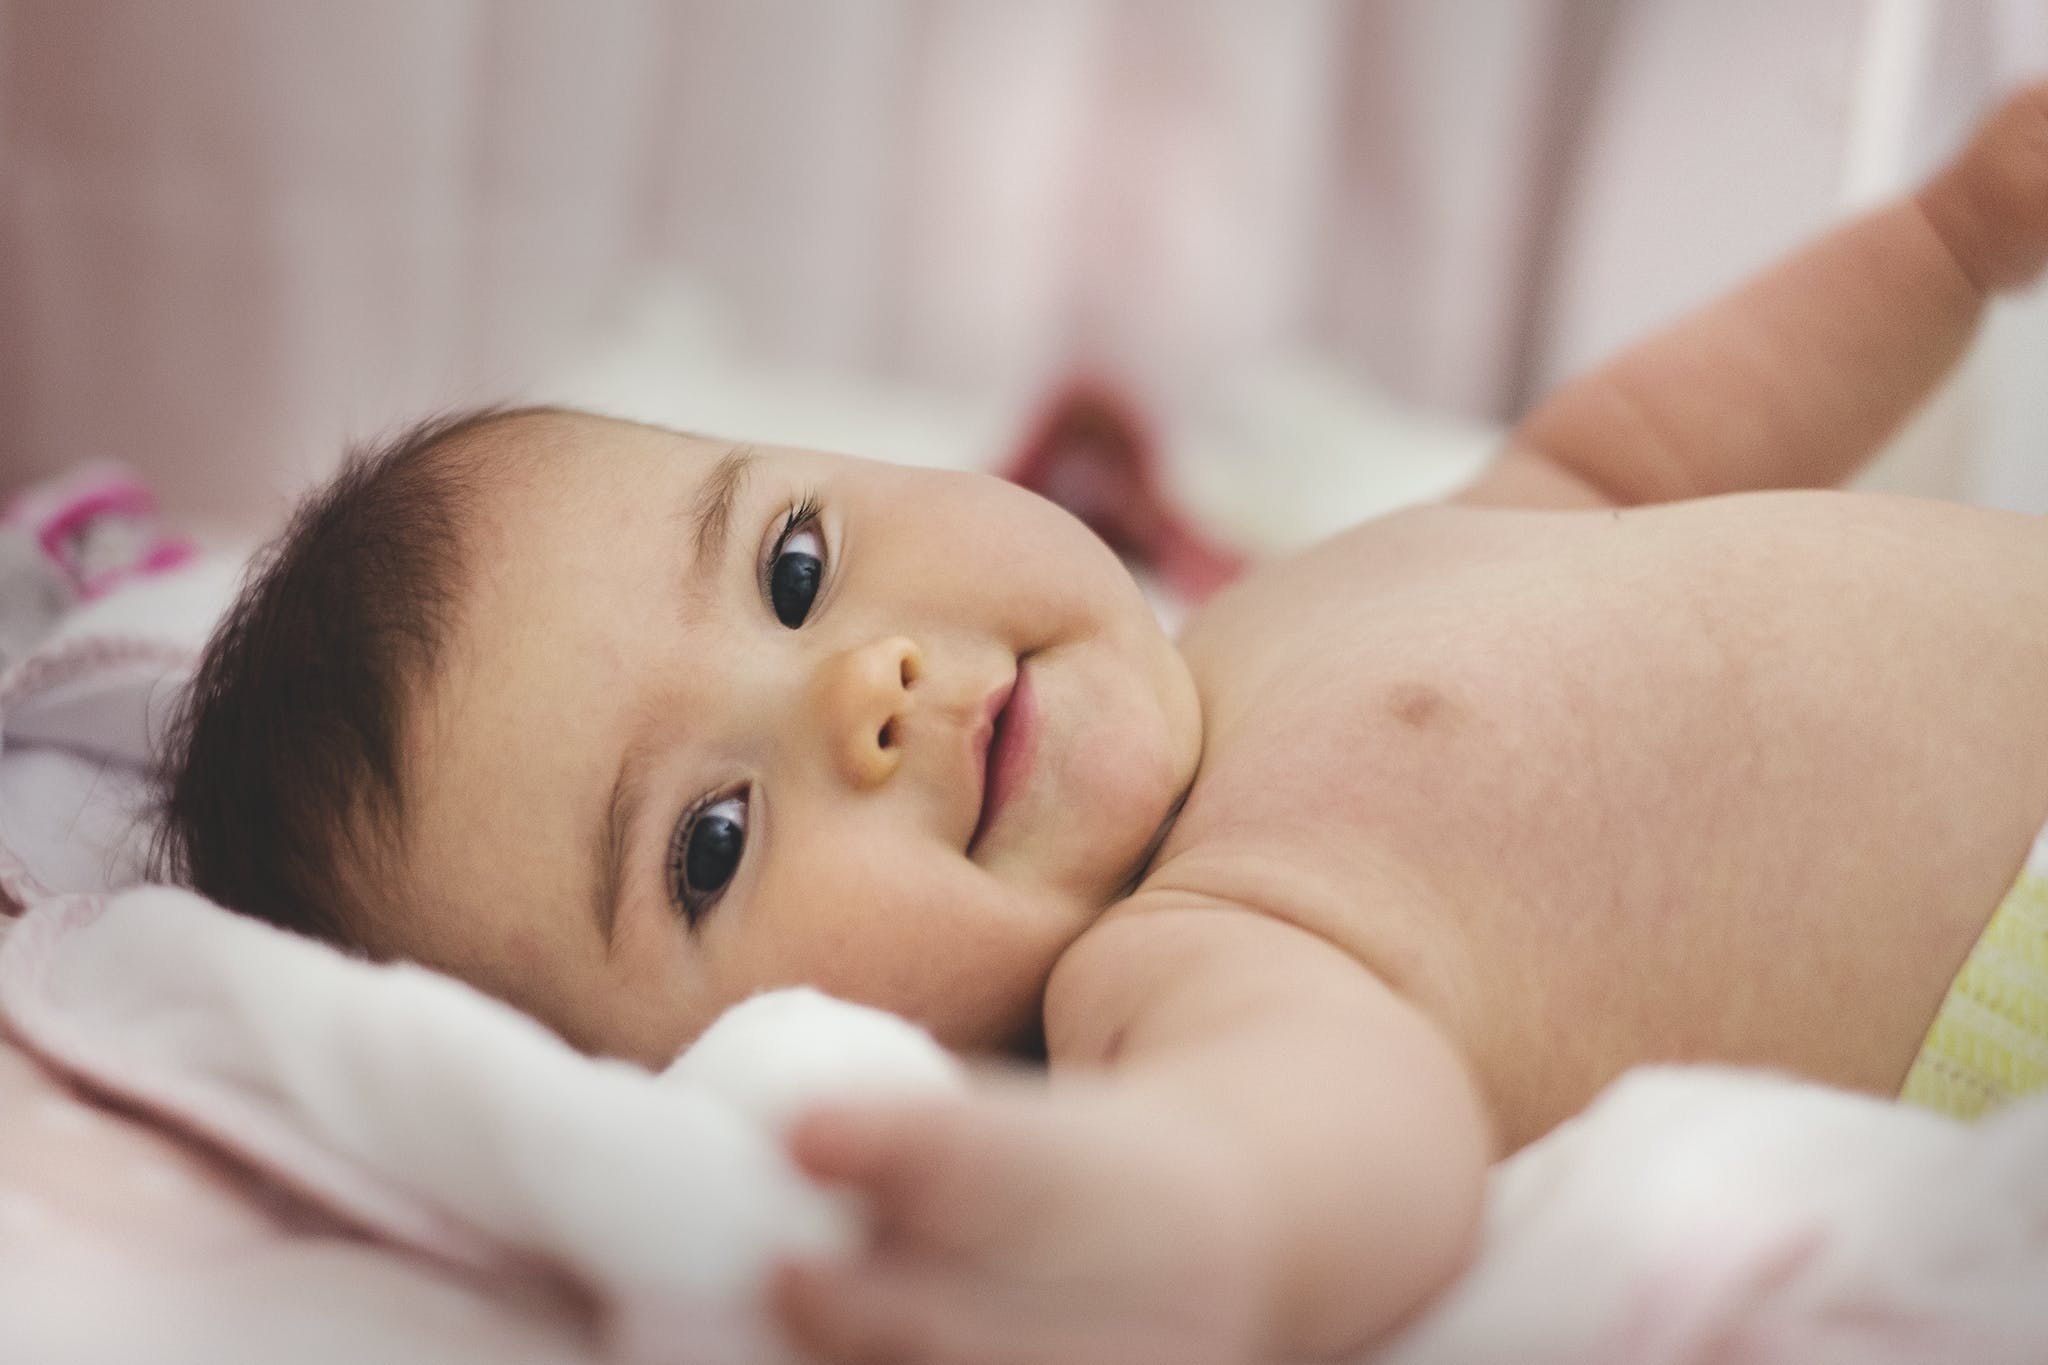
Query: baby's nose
[{"x": 864, "y": 692}]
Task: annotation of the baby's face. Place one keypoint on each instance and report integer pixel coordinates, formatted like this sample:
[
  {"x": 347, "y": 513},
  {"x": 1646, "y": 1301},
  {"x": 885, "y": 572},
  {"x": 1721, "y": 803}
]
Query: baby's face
[{"x": 714, "y": 720}]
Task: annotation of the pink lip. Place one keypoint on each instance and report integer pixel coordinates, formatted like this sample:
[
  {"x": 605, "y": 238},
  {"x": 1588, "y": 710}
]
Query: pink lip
[{"x": 1012, "y": 727}]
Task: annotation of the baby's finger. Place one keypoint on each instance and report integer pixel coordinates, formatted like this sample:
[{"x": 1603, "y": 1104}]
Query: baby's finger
[
  {"x": 873, "y": 1147},
  {"x": 917, "y": 1164},
  {"x": 1003, "y": 1166}
]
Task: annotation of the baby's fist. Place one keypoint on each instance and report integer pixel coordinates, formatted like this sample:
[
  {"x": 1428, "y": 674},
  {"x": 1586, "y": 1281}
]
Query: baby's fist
[
  {"x": 1026, "y": 1225},
  {"x": 1991, "y": 204}
]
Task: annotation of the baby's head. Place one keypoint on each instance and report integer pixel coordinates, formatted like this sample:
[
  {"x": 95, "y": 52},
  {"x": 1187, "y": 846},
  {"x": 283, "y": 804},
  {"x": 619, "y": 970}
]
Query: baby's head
[{"x": 623, "y": 725}]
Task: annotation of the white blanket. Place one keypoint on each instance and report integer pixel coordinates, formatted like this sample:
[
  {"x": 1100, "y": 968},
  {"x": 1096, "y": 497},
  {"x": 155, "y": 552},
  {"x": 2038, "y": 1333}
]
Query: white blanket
[{"x": 1692, "y": 1215}]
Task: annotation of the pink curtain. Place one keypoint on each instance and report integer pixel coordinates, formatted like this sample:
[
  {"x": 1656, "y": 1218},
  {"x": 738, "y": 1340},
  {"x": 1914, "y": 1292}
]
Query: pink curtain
[{"x": 234, "y": 233}]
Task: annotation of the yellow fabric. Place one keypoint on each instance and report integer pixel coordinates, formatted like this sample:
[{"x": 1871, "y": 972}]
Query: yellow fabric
[{"x": 1988, "y": 1045}]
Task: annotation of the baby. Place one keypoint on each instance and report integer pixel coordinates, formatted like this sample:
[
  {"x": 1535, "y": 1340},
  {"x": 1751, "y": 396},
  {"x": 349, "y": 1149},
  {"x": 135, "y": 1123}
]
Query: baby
[{"x": 1409, "y": 845}]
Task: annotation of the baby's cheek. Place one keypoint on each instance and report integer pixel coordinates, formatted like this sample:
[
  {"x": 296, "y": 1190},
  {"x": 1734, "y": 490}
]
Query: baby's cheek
[
  {"x": 542, "y": 976},
  {"x": 955, "y": 954},
  {"x": 527, "y": 953},
  {"x": 1122, "y": 775}
]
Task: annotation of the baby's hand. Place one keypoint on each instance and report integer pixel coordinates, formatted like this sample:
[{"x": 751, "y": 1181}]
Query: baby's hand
[
  {"x": 1022, "y": 1224},
  {"x": 1991, "y": 204}
]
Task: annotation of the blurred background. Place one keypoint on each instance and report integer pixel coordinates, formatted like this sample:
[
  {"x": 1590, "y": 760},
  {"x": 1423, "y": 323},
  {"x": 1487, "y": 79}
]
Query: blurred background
[{"x": 1322, "y": 250}]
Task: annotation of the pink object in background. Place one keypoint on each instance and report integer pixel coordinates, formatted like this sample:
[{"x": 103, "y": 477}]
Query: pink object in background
[
  {"x": 98, "y": 527},
  {"x": 1091, "y": 453}
]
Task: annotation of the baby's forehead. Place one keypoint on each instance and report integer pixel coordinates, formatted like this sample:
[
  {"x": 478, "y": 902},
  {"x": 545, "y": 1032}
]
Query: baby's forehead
[
  {"x": 535, "y": 443},
  {"x": 543, "y": 467},
  {"x": 555, "y": 452}
]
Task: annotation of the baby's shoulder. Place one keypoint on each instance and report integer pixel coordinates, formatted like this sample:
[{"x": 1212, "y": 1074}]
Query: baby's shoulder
[{"x": 1169, "y": 951}]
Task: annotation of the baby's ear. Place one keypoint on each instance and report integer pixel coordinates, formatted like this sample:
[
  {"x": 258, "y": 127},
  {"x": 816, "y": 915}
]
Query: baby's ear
[{"x": 782, "y": 1052}]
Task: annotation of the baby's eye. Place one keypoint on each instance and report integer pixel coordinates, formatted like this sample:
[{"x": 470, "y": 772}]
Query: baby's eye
[
  {"x": 706, "y": 852},
  {"x": 796, "y": 567}
]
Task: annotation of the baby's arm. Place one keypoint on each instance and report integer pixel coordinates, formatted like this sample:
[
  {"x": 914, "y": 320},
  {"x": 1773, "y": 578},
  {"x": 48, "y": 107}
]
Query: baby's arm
[
  {"x": 1797, "y": 377},
  {"x": 1250, "y": 1147},
  {"x": 1360, "y": 1129}
]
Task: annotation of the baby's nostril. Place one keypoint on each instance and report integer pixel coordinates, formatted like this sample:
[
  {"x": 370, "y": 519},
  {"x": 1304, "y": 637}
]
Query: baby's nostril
[
  {"x": 888, "y": 735},
  {"x": 908, "y": 672}
]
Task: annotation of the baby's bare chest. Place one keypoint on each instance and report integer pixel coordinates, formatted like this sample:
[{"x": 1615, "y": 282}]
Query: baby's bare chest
[{"x": 1595, "y": 793}]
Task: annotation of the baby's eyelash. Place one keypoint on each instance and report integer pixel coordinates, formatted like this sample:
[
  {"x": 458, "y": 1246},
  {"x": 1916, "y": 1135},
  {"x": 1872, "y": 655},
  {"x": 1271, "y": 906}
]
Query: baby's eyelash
[
  {"x": 678, "y": 849},
  {"x": 803, "y": 514}
]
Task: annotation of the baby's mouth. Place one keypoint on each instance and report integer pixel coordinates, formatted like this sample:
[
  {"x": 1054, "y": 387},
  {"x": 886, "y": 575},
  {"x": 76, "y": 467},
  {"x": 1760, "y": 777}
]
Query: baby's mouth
[{"x": 1006, "y": 754}]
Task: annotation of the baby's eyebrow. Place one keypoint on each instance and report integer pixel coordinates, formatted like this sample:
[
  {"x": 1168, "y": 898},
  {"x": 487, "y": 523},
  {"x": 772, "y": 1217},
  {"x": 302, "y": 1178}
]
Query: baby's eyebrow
[
  {"x": 709, "y": 513},
  {"x": 609, "y": 850},
  {"x": 711, "y": 509}
]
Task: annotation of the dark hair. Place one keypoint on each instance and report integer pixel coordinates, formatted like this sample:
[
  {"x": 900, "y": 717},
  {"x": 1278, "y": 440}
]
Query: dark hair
[{"x": 280, "y": 781}]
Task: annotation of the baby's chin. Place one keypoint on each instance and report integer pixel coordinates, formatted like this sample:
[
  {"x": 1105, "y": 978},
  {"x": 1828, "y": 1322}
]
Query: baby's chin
[{"x": 1145, "y": 780}]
